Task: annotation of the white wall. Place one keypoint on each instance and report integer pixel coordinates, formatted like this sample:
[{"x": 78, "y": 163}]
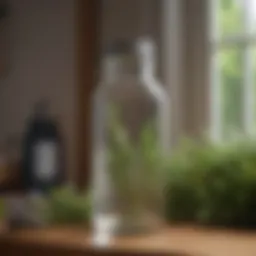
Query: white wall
[{"x": 42, "y": 64}]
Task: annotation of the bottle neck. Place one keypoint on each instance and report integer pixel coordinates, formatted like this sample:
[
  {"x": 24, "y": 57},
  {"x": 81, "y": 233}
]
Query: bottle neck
[
  {"x": 119, "y": 66},
  {"x": 147, "y": 65}
]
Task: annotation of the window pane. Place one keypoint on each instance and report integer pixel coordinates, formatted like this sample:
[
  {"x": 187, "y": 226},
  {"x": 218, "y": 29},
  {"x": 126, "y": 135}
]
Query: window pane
[
  {"x": 231, "y": 79},
  {"x": 248, "y": 90},
  {"x": 251, "y": 16},
  {"x": 230, "y": 17},
  {"x": 253, "y": 52}
]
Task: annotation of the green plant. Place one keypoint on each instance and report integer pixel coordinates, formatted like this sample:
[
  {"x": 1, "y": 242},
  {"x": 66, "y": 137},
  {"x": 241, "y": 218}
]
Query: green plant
[
  {"x": 187, "y": 170},
  {"x": 207, "y": 184},
  {"x": 137, "y": 169},
  {"x": 213, "y": 185},
  {"x": 68, "y": 207}
]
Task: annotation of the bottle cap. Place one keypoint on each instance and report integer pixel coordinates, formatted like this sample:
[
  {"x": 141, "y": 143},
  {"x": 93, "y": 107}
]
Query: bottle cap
[{"x": 146, "y": 46}]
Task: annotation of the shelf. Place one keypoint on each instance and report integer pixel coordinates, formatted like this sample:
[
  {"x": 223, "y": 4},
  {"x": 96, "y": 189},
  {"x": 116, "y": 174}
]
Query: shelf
[{"x": 175, "y": 241}]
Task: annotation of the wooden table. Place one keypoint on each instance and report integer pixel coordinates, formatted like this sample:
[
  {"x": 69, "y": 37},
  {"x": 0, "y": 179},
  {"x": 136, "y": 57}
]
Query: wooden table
[{"x": 174, "y": 241}]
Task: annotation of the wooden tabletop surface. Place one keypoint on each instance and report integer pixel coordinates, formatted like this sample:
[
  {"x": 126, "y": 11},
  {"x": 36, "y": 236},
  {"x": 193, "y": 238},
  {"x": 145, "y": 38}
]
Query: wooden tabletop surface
[{"x": 176, "y": 241}]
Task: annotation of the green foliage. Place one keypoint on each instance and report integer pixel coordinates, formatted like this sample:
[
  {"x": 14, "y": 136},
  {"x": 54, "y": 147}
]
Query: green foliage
[
  {"x": 120, "y": 151},
  {"x": 137, "y": 169},
  {"x": 207, "y": 184},
  {"x": 230, "y": 17},
  {"x": 67, "y": 207},
  {"x": 214, "y": 185}
]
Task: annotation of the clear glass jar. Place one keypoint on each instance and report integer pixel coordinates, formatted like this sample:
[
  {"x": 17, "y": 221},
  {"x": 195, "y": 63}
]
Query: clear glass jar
[{"x": 129, "y": 141}]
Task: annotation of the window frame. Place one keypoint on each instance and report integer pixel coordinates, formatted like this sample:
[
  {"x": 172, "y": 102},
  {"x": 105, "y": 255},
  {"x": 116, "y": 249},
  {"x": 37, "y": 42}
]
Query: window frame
[{"x": 243, "y": 41}]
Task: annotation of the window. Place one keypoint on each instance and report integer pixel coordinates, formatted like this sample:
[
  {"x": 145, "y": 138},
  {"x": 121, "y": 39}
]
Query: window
[{"x": 233, "y": 68}]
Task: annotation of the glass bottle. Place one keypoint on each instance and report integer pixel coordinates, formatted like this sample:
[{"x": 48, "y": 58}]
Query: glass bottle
[{"x": 129, "y": 141}]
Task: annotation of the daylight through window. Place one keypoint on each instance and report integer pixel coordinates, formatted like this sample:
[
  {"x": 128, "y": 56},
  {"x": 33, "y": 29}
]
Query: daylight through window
[{"x": 233, "y": 68}]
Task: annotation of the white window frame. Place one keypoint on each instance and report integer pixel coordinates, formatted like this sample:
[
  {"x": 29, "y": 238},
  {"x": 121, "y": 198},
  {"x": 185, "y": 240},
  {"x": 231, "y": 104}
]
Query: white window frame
[{"x": 216, "y": 44}]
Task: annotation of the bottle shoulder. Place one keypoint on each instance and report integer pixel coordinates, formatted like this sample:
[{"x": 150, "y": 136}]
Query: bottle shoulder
[{"x": 132, "y": 87}]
